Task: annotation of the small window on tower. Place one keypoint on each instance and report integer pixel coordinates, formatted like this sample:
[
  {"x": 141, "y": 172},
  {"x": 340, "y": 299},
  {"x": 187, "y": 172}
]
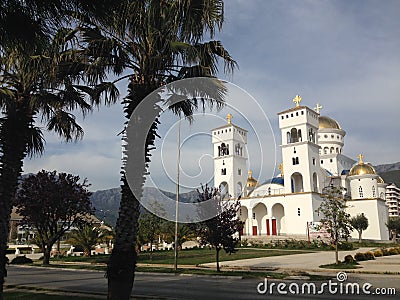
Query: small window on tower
[
  {"x": 223, "y": 162},
  {"x": 294, "y": 149},
  {"x": 223, "y": 171},
  {"x": 313, "y": 161},
  {"x": 239, "y": 172},
  {"x": 322, "y": 161},
  {"x": 254, "y": 216},
  {"x": 298, "y": 211},
  {"x": 360, "y": 190}
]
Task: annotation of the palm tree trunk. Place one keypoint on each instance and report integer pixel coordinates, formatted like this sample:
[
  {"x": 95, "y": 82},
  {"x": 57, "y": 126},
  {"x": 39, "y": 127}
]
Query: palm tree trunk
[
  {"x": 121, "y": 267},
  {"x": 122, "y": 264},
  {"x": 13, "y": 151}
]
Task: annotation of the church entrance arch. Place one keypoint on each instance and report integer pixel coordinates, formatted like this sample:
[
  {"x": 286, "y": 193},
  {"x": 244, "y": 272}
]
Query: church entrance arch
[
  {"x": 278, "y": 217},
  {"x": 261, "y": 214},
  {"x": 297, "y": 183}
]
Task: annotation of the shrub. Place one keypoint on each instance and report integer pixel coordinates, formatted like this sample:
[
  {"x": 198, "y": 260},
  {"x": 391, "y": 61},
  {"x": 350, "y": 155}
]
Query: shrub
[
  {"x": 345, "y": 246},
  {"x": 393, "y": 251},
  {"x": 348, "y": 259},
  {"x": 378, "y": 253},
  {"x": 20, "y": 260},
  {"x": 360, "y": 256},
  {"x": 385, "y": 251},
  {"x": 369, "y": 255}
]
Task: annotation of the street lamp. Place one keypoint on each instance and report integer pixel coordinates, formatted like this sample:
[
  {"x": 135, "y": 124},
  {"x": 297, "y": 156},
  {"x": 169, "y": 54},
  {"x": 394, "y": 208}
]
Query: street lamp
[{"x": 177, "y": 197}]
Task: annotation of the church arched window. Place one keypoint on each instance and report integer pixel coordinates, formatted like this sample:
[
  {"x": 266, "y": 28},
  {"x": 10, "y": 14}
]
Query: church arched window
[
  {"x": 332, "y": 150},
  {"x": 360, "y": 191},
  {"x": 373, "y": 192},
  {"x": 288, "y": 137},
  {"x": 299, "y": 135},
  {"x": 326, "y": 150},
  {"x": 293, "y": 135}
]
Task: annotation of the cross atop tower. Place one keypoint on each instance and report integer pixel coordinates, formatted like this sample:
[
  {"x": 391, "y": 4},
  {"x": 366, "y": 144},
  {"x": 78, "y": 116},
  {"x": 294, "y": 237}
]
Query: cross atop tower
[
  {"x": 360, "y": 157},
  {"x": 297, "y": 100},
  {"x": 318, "y": 107},
  {"x": 229, "y": 118}
]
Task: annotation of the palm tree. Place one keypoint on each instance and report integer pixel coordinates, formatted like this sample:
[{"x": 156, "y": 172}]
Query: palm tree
[
  {"x": 159, "y": 42},
  {"x": 87, "y": 237},
  {"x": 38, "y": 83}
]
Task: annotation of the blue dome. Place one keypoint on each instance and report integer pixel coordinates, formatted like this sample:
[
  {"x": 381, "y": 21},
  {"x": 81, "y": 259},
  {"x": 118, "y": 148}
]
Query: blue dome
[
  {"x": 345, "y": 172},
  {"x": 276, "y": 180}
]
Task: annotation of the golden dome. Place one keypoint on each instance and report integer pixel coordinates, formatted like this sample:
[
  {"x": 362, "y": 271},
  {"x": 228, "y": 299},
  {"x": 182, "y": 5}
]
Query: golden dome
[
  {"x": 380, "y": 180},
  {"x": 326, "y": 122},
  {"x": 362, "y": 168},
  {"x": 251, "y": 182}
]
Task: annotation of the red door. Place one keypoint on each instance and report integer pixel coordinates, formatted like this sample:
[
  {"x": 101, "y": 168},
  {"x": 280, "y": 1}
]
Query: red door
[
  {"x": 254, "y": 230},
  {"x": 268, "y": 232},
  {"x": 241, "y": 232},
  {"x": 273, "y": 226}
]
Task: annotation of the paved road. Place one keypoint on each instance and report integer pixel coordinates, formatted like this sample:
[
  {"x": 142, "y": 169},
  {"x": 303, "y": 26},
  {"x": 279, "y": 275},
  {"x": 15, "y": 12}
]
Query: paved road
[{"x": 178, "y": 287}]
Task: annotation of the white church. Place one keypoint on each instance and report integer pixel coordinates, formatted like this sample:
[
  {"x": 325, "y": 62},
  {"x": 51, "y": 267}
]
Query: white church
[{"x": 312, "y": 159}]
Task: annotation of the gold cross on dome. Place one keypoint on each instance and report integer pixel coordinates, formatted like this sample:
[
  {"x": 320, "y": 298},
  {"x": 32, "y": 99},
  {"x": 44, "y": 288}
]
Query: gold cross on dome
[
  {"x": 229, "y": 118},
  {"x": 317, "y": 108},
  {"x": 360, "y": 157},
  {"x": 297, "y": 100}
]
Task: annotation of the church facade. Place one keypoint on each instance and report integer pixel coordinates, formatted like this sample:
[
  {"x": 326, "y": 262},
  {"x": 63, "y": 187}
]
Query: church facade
[{"x": 312, "y": 159}]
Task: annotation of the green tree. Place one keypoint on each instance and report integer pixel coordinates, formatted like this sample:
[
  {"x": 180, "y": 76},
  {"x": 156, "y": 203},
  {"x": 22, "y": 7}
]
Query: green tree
[
  {"x": 221, "y": 231},
  {"x": 335, "y": 219},
  {"x": 87, "y": 237},
  {"x": 185, "y": 233},
  {"x": 52, "y": 204},
  {"x": 157, "y": 42},
  {"x": 359, "y": 223},
  {"x": 42, "y": 81},
  {"x": 149, "y": 229},
  {"x": 393, "y": 226}
]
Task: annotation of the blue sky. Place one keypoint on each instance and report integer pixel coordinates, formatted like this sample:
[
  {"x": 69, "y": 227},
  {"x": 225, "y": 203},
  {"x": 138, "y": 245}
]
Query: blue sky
[{"x": 342, "y": 54}]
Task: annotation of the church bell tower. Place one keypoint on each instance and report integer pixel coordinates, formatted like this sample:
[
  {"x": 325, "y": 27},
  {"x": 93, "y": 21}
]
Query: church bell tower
[
  {"x": 230, "y": 159},
  {"x": 300, "y": 151}
]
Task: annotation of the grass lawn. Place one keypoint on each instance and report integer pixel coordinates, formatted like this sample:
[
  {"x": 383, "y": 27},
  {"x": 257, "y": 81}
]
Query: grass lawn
[
  {"x": 201, "y": 256},
  {"x": 341, "y": 265},
  {"x": 187, "y": 257}
]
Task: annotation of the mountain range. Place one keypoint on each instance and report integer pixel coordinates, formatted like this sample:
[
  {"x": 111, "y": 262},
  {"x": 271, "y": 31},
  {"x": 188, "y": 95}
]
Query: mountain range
[{"x": 107, "y": 201}]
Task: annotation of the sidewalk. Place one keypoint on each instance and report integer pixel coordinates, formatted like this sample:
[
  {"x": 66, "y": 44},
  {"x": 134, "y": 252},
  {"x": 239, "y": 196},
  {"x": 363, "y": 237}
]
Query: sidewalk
[{"x": 310, "y": 262}]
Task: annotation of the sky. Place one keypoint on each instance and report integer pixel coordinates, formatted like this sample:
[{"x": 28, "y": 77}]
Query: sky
[{"x": 342, "y": 54}]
